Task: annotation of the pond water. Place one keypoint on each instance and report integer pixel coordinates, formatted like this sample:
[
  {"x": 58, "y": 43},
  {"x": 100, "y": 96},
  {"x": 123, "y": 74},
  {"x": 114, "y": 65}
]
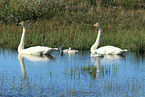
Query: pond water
[{"x": 72, "y": 75}]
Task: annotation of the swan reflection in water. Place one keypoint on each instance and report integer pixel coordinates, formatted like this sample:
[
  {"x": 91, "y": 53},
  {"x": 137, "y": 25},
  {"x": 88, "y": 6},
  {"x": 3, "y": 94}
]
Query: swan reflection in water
[
  {"x": 105, "y": 60},
  {"x": 32, "y": 58},
  {"x": 96, "y": 62},
  {"x": 112, "y": 59},
  {"x": 36, "y": 58}
]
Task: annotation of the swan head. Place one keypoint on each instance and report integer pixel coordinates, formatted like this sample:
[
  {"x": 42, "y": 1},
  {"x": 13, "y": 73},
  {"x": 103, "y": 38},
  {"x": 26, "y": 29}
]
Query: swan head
[
  {"x": 61, "y": 48},
  {"x": 96, "y": 25},
  {"x": 22, "y": 24}
]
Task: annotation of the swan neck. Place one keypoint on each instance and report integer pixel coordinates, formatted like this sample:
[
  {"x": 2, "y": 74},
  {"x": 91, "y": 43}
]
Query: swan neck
[
  {"x": 21, "y": 45},
  {"x": 95, "y": 45}
]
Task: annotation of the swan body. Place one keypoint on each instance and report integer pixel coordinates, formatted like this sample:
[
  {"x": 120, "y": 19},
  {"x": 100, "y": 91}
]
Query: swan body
[
  {"x": 36, "y": 50},
  {"x": 109, "y": 50},
  {"x": 105, "y": 50},
  {"x": 72, "y": 51},
  {"x": 65, "y": 50}
]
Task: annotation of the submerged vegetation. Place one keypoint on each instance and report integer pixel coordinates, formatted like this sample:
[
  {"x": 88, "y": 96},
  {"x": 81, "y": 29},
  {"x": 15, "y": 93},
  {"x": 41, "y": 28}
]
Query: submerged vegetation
[{"x": 67, "y": 23}]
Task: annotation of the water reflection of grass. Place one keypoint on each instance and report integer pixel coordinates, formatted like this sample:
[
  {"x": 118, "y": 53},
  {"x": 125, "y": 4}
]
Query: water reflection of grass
[
  {"x": 127, "y": 88},
  {"x": 16, "y": 86},
  {"x": 93, "y": 70}
]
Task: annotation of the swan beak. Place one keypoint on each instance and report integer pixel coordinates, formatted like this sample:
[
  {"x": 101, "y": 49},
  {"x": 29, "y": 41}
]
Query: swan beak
[
  {"x": 94, "y": 25},
  {"x": 20, "y": 23}
]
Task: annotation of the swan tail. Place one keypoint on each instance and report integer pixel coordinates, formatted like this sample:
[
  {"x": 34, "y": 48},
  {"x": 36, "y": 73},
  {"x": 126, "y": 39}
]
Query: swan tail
[
  {"x": 55, "y": 48},
  {"x": 125, "y": 50}
]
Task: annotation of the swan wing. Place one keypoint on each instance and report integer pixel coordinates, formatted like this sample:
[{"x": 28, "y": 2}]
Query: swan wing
[{"x": 109, "y": 50}]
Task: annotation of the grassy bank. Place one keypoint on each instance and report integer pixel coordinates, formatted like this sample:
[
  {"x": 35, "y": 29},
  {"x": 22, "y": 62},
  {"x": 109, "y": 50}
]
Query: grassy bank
[{"x": 67, "y": 23}]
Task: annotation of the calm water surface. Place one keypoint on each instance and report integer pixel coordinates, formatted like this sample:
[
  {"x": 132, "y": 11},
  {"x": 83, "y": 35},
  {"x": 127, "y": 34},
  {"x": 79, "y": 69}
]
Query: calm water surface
[{"x": 71, "y": 75}]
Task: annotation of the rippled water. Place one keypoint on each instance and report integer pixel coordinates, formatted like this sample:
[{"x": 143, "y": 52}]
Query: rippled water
[{"x": 72, "y": 75}]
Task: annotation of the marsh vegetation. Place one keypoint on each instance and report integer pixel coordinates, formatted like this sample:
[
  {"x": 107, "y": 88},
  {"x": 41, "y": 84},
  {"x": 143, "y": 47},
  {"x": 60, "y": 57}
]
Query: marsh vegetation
[{"x": 67, "y": 23}]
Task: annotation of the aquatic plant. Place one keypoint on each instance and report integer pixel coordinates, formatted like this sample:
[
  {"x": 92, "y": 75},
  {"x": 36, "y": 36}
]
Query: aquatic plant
[{"x": 91, "y": 69}]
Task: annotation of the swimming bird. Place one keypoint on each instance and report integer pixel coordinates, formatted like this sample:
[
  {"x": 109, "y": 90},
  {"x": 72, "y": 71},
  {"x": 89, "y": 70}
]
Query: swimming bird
[
  {"x": 36, "y": 50},
  {"x": 105, "y": 50},
  {"x": 72, "y": 51},
  {"x": 67, "y": 50}
]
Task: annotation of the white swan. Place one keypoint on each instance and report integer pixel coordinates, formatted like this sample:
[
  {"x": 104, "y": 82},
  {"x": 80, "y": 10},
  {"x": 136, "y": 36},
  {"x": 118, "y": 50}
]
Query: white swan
[
  {"x": 72, "y": 51},
  {"x": 37, "y": 50},
  {"x": 64, "y": 50},
  {"x": 105, "y": 50}
]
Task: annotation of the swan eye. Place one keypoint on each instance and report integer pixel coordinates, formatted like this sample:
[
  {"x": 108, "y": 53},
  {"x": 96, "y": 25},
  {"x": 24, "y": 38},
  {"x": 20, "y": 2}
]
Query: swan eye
[{"x": 97, "y": 24}]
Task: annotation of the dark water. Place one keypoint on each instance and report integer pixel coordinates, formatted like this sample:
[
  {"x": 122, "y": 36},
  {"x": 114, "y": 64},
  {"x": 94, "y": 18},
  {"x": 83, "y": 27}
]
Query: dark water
[{"x": 72, "y": 75}]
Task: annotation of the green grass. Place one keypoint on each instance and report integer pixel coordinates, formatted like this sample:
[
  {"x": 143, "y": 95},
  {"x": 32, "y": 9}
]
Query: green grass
[{"x": 67, "y": 23}]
